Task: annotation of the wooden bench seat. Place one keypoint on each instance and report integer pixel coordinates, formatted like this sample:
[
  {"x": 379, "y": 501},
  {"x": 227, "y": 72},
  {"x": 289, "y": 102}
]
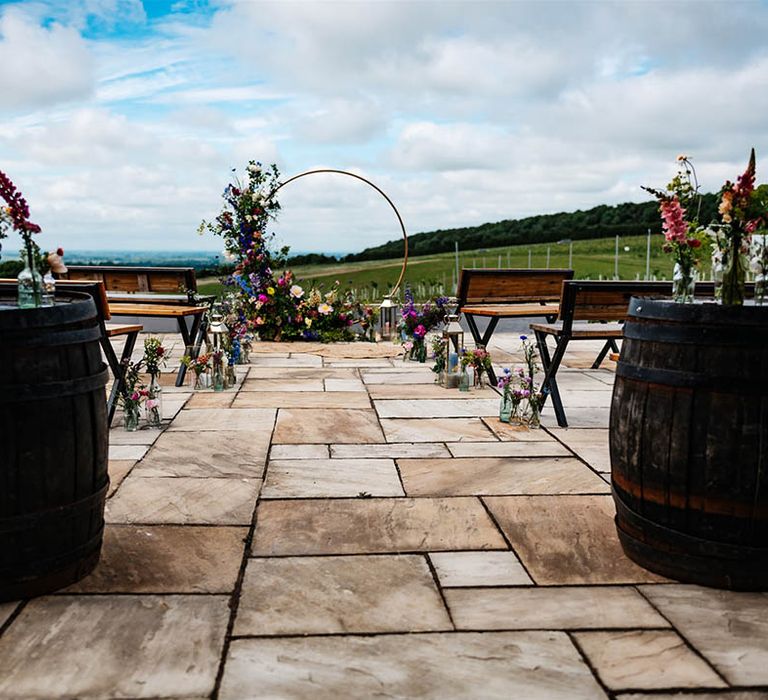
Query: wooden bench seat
[
  {"x": 152, "y": 292},
  {"x": 588, "y": 311},
  {"x": 508, "y": 293}
]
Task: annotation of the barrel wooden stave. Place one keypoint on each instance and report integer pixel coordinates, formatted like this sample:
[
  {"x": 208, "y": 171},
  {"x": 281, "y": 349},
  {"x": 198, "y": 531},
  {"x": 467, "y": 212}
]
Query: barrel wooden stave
[
  {"x": 689, "y": 443},
  {"x": 53, "y": 470}
]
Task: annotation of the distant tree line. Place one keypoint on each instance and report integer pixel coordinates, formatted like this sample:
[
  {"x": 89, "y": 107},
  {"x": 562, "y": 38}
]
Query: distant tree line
[{"x": 604, "y": 221}]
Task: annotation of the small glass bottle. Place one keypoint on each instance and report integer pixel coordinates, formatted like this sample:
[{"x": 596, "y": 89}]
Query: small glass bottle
[
  {"x": 464, "y": 380},
  {"x": 131, "y": 417},
  {"x": 154, "y": 403},
  {"x": 30, "y": 285},
  {"x": 49, "y": 289}
]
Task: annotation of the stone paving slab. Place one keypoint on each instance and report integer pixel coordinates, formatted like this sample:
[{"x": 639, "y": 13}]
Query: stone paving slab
[
  {"x": 302, "y": 399},
  {"x": 729, "y": 629},
  {"x": 6, "y": 610},
  {"x": 211, "y": 399},
  {"x": 516, "y": 433},
  {"x": 436, "y": 408},
  {"x": 342, "y": 594},
  {"x": 125, "y": 452},
  {"x": 373, "y": 525},
  {"x": 425, "y": 391},
  {"x": 479, "y": 569},
  {"x": 119, "y": 436},
  {"x": 283, "y": 385},
  {"x": 409, "y": 378},
  {"x": 548, "y": 448},
  {"x": 436, "y": 430},
  {"x": 166, "y": 559},
  {"x": 307, "y": 451},
  {"x": 696, "y": 695},
  {"x": 502, "y": 665},
  {"x": 392, "y": 449},
  {"x": 246, "y": 419},
  {"x": 183, "y": 501},
  {"x": 585, "y": 607},
  {"x": 344, "y": 385},
  {"x": 331, "y": 425},
  {"x": 566, "y": 539},
  {"x": 479, "y": 476},
  {"x": 331, "y": 478},
  {"x": 647, "y": 659},
  {"x": 118, "y": 469},
  {"x": 222, "y": 454},
  {"x": 114, "y": 646}
]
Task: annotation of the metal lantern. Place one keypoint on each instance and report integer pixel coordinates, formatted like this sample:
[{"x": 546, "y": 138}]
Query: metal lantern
[
  {"x": 217, "y": 329},
  {"x": 388, "y": 319},
  {"x": 453, "y": 341}
]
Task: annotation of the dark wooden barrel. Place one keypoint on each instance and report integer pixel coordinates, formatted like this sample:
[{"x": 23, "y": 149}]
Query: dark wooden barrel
[
  {"x": 53, "y": 445},
  {"x": 689, "y": 442}
]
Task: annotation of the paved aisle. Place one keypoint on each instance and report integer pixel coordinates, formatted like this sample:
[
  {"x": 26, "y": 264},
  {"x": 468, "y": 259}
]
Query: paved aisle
[{"x": 342, "y": 528}]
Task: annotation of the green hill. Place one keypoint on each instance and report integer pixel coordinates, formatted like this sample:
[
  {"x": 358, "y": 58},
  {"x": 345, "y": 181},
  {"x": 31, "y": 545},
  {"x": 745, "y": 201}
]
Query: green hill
[{"x": 604, "y": 221}]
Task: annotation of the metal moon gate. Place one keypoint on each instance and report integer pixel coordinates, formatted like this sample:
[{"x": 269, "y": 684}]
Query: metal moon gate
[{"x": 380, "y": 191}]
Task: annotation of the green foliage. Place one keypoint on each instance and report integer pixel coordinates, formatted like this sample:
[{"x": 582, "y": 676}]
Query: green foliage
[{"x": 603, "y": 221}]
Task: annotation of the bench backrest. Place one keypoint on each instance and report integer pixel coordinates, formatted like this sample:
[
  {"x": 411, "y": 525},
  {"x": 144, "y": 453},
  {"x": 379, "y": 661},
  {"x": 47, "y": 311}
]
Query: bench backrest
[
  {"x": 147, "y": 280},
  {"x": 498, "y": 286},
  {"x": 585, "y": 300}
]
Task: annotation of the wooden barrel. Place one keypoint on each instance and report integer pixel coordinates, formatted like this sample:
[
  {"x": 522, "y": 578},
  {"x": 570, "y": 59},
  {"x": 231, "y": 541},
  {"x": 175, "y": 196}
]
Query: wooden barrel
[
  {"x": 689, "y": 442},
  {"x": 53, "y": 445}
]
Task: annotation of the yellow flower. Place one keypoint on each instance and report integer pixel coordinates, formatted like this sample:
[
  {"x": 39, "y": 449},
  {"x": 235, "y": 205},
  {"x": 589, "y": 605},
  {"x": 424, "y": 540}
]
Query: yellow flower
[
  {"x": 271, "y": 291},
  {"x": 308, "y": 321}
]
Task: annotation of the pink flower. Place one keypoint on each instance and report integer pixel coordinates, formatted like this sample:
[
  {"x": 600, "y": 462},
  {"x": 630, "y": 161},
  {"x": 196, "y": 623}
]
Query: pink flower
[
  {"x": 673, "y": 215},
  {"x": 263, "y": 298},
  {"x": 419, "y": 331}
]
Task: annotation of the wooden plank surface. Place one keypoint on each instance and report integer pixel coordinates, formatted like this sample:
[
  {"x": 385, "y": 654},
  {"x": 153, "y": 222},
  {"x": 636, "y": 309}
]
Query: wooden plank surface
[
  {"x": 512, "y": 310},
  {"x": 596, "y": 331},
  {"x": 155, "y": 310},
  {"x": 115, "y": 329}
]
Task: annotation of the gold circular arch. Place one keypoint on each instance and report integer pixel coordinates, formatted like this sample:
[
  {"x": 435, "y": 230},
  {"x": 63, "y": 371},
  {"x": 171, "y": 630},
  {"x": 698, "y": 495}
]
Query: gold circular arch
[{"x": 380, "y": 191}]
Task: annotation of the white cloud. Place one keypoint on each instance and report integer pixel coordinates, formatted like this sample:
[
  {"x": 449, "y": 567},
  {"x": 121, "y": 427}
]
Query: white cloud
[{"x": 41, "y": 65}]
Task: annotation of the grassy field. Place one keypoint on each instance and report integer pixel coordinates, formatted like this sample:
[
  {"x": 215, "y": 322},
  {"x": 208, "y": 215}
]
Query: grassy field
[{"x": 434, "y": 274}]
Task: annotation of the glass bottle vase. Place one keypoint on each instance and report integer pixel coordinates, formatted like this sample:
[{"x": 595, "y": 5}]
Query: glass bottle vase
[
  {"x": 505, "y": 409},
  {"x": 230, "y": 377},
  {"x": 30, "y": 285},
  {"x": 153, "y": 406},
  {"x": 734, "y": 275},
  {"x": 683, "y": 282},
  {"x": 131, "y": 417},
  {"x": 218, "y": 378}
]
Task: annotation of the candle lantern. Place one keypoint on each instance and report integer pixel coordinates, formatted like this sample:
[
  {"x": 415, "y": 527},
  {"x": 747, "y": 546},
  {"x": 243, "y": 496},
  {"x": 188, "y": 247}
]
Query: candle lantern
[
  {"x": 453, "y": 344},
  {"x": 388, "y": 319},
  {"x": 217, "y": 330}
]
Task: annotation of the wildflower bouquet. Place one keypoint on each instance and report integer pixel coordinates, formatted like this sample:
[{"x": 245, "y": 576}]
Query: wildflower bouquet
[
  {"x": 521, "y": 398},
  {"x": 16, "y": 216},
  {"x": 743, "y": 212},
  {"x": 134, "y": 394},
  {"x": 200, "y": 365},
  {"x": 416, "y": 322},
  {"x": 680, "y": 206},
  {"x": 154, "y": 355},
  {"x": 480, "y": 360}
]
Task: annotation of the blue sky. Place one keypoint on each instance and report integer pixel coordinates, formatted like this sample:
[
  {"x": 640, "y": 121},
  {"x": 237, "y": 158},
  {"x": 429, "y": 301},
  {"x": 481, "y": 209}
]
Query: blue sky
[{"x": 121, "y": 120}]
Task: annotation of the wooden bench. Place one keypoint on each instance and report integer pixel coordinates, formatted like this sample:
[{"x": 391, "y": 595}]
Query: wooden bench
[
  {"x": 152, "y": 292},
  {"x": 513, "y": 293},
  {"x": 108, "y": 331},
  {"x": 588, "y": 311}
]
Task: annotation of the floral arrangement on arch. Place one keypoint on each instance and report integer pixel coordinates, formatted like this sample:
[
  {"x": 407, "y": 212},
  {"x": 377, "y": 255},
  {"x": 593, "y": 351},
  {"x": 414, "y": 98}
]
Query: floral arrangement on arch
[{"x": 270, "y": 303}]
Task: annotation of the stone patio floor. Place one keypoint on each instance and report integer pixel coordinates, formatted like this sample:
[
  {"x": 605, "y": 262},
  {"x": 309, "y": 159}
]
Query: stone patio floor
[{"x": 340, "y": 527}]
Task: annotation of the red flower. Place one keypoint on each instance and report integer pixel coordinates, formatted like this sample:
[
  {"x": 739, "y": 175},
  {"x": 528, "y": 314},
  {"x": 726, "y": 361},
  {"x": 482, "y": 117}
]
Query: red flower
[
  {"x": 59, "y": 251},
  {"x": 694, "y": 243},
  {"x": 19, "y": 210}
]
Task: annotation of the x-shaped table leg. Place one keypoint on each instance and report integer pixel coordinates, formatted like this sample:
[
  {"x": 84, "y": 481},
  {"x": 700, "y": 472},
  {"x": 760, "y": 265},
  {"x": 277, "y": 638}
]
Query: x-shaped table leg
[
  {"x": 118, "y": 368},
  {"x": 550, "y": 365}
]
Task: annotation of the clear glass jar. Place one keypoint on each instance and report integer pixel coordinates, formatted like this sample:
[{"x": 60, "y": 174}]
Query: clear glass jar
[
  {"x": 505, "y": 408},
  {"x": 131, "y": 417},
  {"x": 153, "y": 406},
  {"x": 30, "y": 285},
  {"x": 683, "y": 283}
]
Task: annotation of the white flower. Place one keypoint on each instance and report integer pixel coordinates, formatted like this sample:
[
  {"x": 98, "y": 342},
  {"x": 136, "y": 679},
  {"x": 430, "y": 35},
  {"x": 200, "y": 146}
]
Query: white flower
[
  {"x": 253, "y": 168},
  {"x": 297, "y": 292},
  {"x": 324, "y": 309},
  {"x": 228, "y": 255}
]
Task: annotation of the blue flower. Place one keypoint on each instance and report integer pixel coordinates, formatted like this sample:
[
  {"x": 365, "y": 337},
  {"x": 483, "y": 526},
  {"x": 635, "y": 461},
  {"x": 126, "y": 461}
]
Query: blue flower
[{"x": 523, "y": 337}]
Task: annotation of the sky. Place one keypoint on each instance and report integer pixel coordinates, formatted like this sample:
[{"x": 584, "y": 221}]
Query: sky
[{"x": 122, "y": 121}]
